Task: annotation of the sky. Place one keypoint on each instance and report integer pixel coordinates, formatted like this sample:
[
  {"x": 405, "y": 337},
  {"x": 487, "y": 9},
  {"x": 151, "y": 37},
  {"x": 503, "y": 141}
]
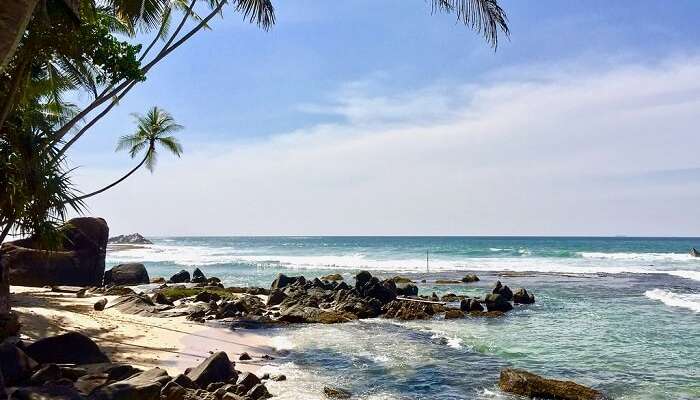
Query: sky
[{"x": 370, "y": 117}]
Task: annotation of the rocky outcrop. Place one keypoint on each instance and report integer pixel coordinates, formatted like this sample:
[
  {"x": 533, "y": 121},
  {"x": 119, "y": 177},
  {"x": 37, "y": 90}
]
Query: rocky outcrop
[
  {"x": 497, "y": 302},
  {"x": 134, "y": 238},
  {"x": 216, "y": 368},
  {"x": 469, "y": 278},
  {"x": 336, "y": 393},
  {"x": 504, "y": 291},
  {"x": 470, "y": 305},
  {"x": 69, "y": 348},
  {"x": 198, "y": 276},
  {"x": 521, "y": 296},
  {"x": 332, "y": 277},
  {"x": 524, "y": 383},
  {"x": 411, "y": 310},
  {"x": 78, "y": 261},
  {"x": 127, "y": 274}
]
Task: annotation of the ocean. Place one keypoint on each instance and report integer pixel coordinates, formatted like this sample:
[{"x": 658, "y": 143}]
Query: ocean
[{"x": 620, "y": 314}]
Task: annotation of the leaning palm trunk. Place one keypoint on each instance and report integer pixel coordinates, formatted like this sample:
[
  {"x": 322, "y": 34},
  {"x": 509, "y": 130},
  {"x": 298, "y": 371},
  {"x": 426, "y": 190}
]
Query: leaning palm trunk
[
  {"x": 118, "y": 181},
  {"x": 14, "y": 17}
]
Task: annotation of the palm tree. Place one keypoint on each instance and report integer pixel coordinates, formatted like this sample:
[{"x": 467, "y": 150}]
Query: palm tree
[{"x": 155, "y": 128}]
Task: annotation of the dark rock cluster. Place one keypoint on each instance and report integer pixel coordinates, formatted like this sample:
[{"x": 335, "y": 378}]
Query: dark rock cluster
[{"x": 72, "y": 367}]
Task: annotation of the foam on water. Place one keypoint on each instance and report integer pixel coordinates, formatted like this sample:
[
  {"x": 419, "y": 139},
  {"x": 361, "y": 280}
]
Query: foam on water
[{"x": 687, "y": 301}]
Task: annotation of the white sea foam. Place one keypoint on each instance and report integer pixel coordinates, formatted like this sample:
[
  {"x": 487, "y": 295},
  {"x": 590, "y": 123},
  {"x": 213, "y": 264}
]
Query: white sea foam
[
  {"x": 588, "y": 263},
  {"x": 687, "y": 301}
]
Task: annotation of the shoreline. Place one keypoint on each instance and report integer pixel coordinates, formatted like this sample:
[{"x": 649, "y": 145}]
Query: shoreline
[{"x": 170, "y": 343}]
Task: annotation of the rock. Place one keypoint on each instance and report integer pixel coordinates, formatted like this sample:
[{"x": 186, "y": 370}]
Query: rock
[
  {"x": 336, "y": 393},
  {"x": 158, "y": 279},
  {"x": 469, "y": 305},
  {"x": 79, "y": 260},
  {"x": 332, "y": 277},
  {"x": 216, "y": 368},
  {"x": 207, "y": 297},
  {"x": 496, "y": 302},
  {"x": 118, "y": 291},
  {"x": 15, "y": 364},
  {"x": 362, "y": 278},
  {"x": 81, "y": 293},
  {"x": 276, "y": 297},
  {"x": 406, "y": 289},
  {"x": 135, "y": 304},
  {"x": 503, "y": 291},
  {"x": 46, "y": 392},
  {"x": 305, "y": 314},
  {"x": 282, "y": 281},
  {"x": 160, "y": 298},
  {"x": 454, "y": 314},
  {"x": 100, "y": 305},
  {"x": 400, "y": 279},
  {"x": 73, "y": 373},
  {"x": 181, "y": 277},
  {"x": 134, "y": 238},
  {"x": 524, "y": 383},
  {"x": 49, "y": 372},
  {"x": 447, "y": 282},
  {"x": 521, "y": 296},
  {"x": 184, "y": 381},
  {"x": 487, "y": 314},
  {"x": 278, "y": 377},
  {"x": 410, "y": 310},
  {"x": 68, "y": 348},
  {"x": 173, "y": 391},
  {"x": 247, "y": 381},
  {"x": 469, "y": 278},
  {"x": 245, "y": 356},
  {"x": 142, "y": 386},
  {"x": 451, "y": 298},
  {"x": 87, "y": 384},
  {"x": 127, "y": 274},
  {"x": 198, "y": 276},
  {"x": 258, "y": 392}
]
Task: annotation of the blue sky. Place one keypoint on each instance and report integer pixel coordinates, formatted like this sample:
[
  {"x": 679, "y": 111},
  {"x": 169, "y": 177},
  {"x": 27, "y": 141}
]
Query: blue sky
[{"x": 332, "y": 73}]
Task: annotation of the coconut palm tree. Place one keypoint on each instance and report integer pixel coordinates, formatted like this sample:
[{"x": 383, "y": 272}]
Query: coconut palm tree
[{"x": 153, "y": 129}]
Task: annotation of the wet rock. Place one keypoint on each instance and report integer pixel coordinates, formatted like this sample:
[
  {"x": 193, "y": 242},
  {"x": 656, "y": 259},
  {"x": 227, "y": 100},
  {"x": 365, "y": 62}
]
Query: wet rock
[
  {"x": 451, "y": 298},
  {"x": 282, "y": 281},
  {"x": 181, "y": 277},
  {"x": 332, "y": 277},
  {"x": 245, "y": 356},
  {"x": 258, "y": 392},
  {"x": 487, "y": 314},
  {"x": 504, "y": 291},
  {"x": 278, "y": 378},
  {"x": 469, "y": 278},
  {"x": 497, "y": 302},
  {"x": 127, "y": 274},
  {"x": 15, "y": 364},
  {"x": 276, "y": 297},
  {"x": 521, "y": 296},
  {"x": 68, "y": 348},
  {"x": 447, "y": 282},
  {"x": 173, "y": 391},
  {"x": 198, "y": 276},
  {"x": 216, "y": 368},
  {"x": 100, "y": 305},
  {"x": 524, "y": 383},
  {"x": 247, "y": 381},
  {"x": 406, "y": 289},
  {"x": 410, "y": 310},
  {"x": 400, "y": 279},
  {"x": 336, "y": 393},
  {"x": 362, "y": 278},
  {"x": 134, "y": 238},
  {"x": 454, "y": 314},
  {"x": 469, "y": 305}
]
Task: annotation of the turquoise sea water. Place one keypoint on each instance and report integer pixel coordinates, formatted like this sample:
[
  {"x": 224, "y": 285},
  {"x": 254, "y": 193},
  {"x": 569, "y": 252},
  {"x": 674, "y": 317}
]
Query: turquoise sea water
[{"x": 619, "y": 314}]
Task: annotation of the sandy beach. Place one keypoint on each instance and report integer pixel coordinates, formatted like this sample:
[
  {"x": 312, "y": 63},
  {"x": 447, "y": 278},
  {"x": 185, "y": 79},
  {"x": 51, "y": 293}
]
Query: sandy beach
[{"x": 169, "y": 343}]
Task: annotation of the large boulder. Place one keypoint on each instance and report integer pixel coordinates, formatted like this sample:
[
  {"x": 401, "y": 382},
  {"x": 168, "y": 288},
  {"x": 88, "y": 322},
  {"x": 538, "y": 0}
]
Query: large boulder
[
  {"x": 469, "y": 278},
  {"x": 524, "y": 383},
  {"x": 181, "y": 277},
  {"x": 68, "y": 348},
  {"x": 127, "y": 274},
  {"x": 78, "y": 261},
  {"x": 198, "y": 276},
  {"x": 497, "y": 302},
  {"x": 406, "y": 289},
  {"x": 15, "y": 364},
  {"x": 504, "y": 291},
  {"x": 282, "y": 281},
  {"x": 216, "y": 368},
  {"x": 142, "y": 386},
  {"x": 46, "y": 392},
  {"x": 470, "y": 305}
]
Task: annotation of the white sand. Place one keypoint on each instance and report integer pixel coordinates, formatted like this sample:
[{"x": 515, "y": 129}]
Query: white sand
[{"x": 169, "y": 343}]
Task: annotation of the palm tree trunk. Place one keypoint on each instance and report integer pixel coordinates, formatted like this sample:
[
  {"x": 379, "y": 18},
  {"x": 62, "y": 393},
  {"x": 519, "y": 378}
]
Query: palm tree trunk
[
  {"x": 14, "y": 17},
  {"x": 118, "y": 181}
]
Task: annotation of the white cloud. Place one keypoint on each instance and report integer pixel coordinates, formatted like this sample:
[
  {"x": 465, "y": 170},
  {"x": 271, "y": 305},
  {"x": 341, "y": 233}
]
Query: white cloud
[{"x": 547, "y": 152}]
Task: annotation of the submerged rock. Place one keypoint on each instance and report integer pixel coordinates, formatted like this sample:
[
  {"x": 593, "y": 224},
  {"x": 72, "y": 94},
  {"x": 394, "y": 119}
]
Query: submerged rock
[
  {"x": 454, "y": 314},
  {"x": 524, "y": 383},
  {"x": 336, "y": 393},
  {"x": 497, "y": 302},
  {"x": 469, "y": 278}
]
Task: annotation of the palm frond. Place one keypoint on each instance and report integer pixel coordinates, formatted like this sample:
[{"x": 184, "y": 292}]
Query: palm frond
[
  {"x": 171, "y": 143},
  {"x": 483, "y": 16},
  {"x": 259, "y": 12}
]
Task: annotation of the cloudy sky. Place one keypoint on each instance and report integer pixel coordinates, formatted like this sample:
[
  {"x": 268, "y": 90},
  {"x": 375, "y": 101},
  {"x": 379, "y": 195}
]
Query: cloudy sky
[{"x": 370, "y": 117}]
